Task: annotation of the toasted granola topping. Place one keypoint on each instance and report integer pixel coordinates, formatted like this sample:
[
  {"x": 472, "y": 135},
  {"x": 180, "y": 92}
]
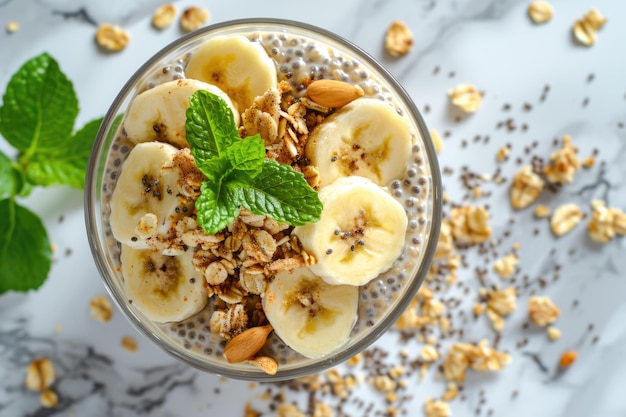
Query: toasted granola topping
[
  {"x": 606, "y": 222},
  {"x": 470, "y": 224},
  {"x": 505, "y": 266},
  {"x": 193, "y": 18},
  {"x": 466, "y": 97},
  {"x": 164, "y": 16},
  {"x": 565, "y": 218},
  {"x": 526, "y": 187},
  {"x": 112, "y": 38},
  {"x": 399, "y": 39},
  {"x": 263, "y": 117},
  {"x": 230, "y": 321},
  {"x": 100, "y": 308},
  {"x": 40, "y": 374},
  {"x": 542, "y": 311},
  {"x": 564, "y": 163},
  {"x": 540, "y": 12}
]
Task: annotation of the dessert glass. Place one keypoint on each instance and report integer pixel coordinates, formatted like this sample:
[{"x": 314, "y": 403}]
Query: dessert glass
[{"x": 419, "y": 192}]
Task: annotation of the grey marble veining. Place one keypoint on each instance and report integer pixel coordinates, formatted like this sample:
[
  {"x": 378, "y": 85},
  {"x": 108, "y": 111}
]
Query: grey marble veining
[{"x": 489, "y": 43}]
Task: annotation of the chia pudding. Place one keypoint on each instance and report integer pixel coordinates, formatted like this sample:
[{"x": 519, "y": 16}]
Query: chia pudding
[{"x": 300, "y": 56}]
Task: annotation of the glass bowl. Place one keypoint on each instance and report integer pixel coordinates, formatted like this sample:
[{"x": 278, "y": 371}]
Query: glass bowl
[{"x": 420, "y": 192}]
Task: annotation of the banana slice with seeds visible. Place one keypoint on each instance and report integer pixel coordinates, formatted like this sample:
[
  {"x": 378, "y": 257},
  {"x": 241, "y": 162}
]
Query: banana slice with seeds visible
[
  {"x": 238, "y": 66},
  {"x": 164, "y": 288},
  {"x": 159, "y": 114},
  {"x": 311, "y": 316},
  {"x": 360, "y": 234},
  {"x": 367, "y": 138},
  {"x": 146, "y": 201}
]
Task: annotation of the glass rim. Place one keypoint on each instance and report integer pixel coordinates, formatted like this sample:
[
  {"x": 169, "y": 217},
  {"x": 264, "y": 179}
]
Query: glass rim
[{"x": 100, "y": 252}]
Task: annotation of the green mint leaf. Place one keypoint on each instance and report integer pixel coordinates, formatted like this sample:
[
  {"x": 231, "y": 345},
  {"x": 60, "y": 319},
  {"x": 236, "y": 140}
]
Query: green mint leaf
[
  {"x": 282, "y": 194},
  {"x": 215, "y": 208},
  {"x": 25, "y": 252},
  {"x": 67, "y": 164},
  {"x": 8, "y": 179},
  {"x": 210, "y": 126},
  {"x": 215, "y": 169},
  {"x": 39, "y": 107},
  {"x": 247, "y": 155}
]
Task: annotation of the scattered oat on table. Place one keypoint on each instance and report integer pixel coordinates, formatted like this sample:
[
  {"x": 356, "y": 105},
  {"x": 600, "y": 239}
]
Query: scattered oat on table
[
  {"x": 399, "y": 39},
  {"x": 437, "y": 142},
  {"x": 12, "y": 27},
  {"x": 40, "y": 374},
  {"x": 541, "y": 211},
  {"x": 565, "y": 218},
  {"x": 129, "y": 344},
  {"x": 466, "y": 97},
  {"x": 542, "y": 311},
  {"x": 505, "y": 266},
  {"x": 585, "y": 30},
  {"x": 606, "y": 222},
  {"x": 540, "y": 12},
  {"x": 49, "y": 399},
  {"x": 100, "y": 308},
  {"x": 470, "y": 224},
  {"x": 193, "y": 18},
  {"x": 436, "y": 408},
  {"x": 553, "y": 333},
  {"x": 564, "y": 163},
  {"x": 112, "y": 38},
  {"x": 525, "y": 188},
  {"x": 164, "y": 16}
]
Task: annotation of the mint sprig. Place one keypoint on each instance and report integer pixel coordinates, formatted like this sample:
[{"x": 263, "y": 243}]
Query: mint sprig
[
  {"x": 237, "y": 173},
  {"x": 37, "y": 117}
]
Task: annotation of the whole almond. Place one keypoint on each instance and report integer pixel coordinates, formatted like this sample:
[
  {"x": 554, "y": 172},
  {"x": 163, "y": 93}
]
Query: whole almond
[
  {"x": 266, "y": 363},
  {"x": 246, "y": 344},
  {"x": 333, "y": 93}
]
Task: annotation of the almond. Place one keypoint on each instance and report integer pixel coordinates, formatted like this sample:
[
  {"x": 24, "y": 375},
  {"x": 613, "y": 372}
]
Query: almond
[
  {"x": 333, "y": 93},
  {"x": 246, "y": 344},
  {"x": 266, "y": 363}
]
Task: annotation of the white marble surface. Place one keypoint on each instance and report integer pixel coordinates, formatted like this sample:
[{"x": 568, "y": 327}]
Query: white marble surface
[{"x": 489, "y": 43}]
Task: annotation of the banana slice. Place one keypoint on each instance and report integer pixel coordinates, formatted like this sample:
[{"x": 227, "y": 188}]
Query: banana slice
[
  {"x": 146, "y": 201},
  {"x": 365, "y": 138},
  {"x": 311, "y": 316},
  {"x": 360, "y": 234},
  {"x": 238, "y": 66},
  {"x": 160, "y": 112},
  {"x": 164, "y": 288}
]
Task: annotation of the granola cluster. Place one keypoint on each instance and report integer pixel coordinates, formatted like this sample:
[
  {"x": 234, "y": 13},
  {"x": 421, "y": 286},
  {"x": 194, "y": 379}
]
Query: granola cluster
[
  {"x": 479, "y": 357},
  {"x": 470, "y": 224},
  {"x": 542, "y": 311},
  {"x": 606, "y": 222}
]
